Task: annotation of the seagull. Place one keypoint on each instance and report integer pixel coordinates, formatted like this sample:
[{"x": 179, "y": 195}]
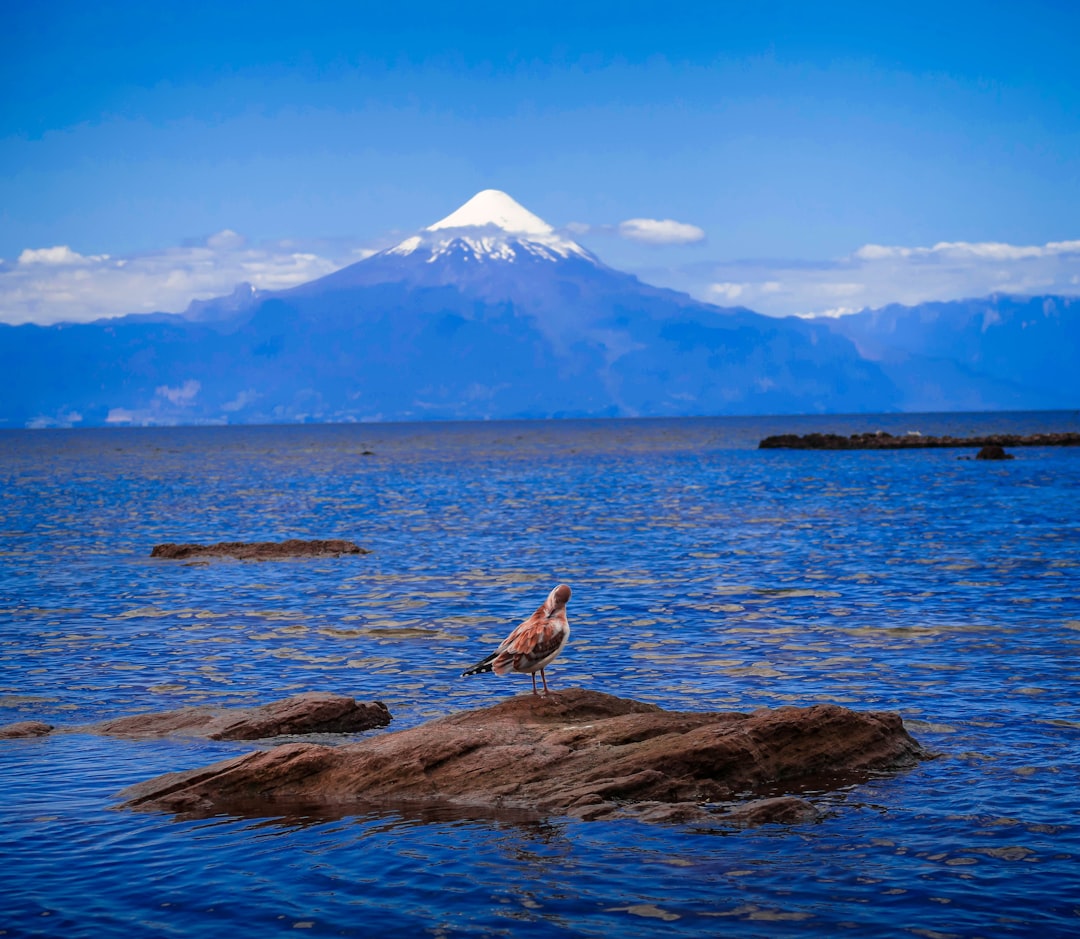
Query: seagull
[{"x": 534, "y": 644}]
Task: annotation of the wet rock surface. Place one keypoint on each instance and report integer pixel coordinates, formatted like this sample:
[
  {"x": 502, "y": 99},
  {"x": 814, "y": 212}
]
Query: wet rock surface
[
  {"x": 885, "y": 441},
  {"x": 579, "y": 753},
  {"x": 258, "y": 550},
  {"x": 309, "y": 713}
]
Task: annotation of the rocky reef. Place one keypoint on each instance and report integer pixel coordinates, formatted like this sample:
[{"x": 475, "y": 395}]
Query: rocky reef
[
  {"x": 574, "y": 753},
  {"x": 886, "y": 441}
]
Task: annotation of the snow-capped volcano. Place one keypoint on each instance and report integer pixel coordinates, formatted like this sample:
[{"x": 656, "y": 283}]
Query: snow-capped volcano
[
  {"x": 490, "y": 226},
  {"x": 492, "y": 245}
]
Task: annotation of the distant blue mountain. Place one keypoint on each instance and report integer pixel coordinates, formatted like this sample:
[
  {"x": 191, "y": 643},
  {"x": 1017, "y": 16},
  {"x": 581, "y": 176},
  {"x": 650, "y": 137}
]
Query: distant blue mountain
[
  {"x": 490, "y": 313},
  {"x": 998, "y": 353}
]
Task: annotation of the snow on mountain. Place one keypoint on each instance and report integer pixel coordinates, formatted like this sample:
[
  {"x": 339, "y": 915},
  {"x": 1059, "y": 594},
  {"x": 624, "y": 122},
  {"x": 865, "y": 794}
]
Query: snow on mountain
[
  {"x": 494, "y": 207},
  {"x": 490, "y": 226}
]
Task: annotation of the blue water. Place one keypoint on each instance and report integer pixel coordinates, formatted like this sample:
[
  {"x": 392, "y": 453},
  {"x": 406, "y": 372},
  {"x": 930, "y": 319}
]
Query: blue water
[{"x": 706, "y": 574}]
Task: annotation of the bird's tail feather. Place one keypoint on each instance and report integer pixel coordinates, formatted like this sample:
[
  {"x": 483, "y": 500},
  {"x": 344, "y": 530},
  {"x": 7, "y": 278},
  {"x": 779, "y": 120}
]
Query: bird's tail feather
[{"x": 484, "y": 665}]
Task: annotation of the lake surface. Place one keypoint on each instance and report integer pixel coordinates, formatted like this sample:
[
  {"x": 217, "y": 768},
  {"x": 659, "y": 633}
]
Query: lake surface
[{"x": 706, "y": 575}]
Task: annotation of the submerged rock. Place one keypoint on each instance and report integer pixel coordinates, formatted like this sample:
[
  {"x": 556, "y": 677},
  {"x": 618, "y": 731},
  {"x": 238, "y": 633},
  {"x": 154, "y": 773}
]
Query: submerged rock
[
  {"x": 25, "y": 729},
  {"x": 576, "y": 752},
  {"x": 313, "y": 712},
  {"x": 785, "y": 810},
  {"x": 258, "y": 550}
]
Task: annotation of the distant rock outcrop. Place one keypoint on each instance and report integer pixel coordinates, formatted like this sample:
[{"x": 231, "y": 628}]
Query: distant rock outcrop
[
  {"x": 578, "y": 753},
  {"x": 313, "y": 712},
  {"x": 886, "y": 441},
  {"x": 258, "y": 550}
]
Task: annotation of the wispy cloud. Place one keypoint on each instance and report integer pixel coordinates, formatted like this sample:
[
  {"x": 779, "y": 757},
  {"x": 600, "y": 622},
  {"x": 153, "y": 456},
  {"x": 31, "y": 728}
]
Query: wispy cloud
[
  {"x": 182, "y": 395},
  {"x": 877, "y": 275},
  {"x": 63, "y": 418},
  {"x": 653, "y": 231},
  {"x": 58, "y": 284},
  {"x": 962, "y": 250},
  {"x": 60, "y": 256},
  {"x": 664, "y": 231}
]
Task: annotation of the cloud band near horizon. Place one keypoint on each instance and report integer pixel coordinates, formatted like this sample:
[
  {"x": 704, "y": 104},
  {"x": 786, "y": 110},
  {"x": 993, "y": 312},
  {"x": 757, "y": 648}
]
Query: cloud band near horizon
[
  {"x": 57, "y": 284},
  {"x": 878, "y": 275}
]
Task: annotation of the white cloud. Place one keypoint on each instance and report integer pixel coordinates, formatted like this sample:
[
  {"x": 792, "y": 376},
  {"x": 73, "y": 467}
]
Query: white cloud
[
  {"x": 660, "y": 231},
  {"x": 881, "y": 252},
  {"x": 181, "y": 396},
  {"x": 242, "y": 400},
  {"x": 226, "y": 238},
  {"x": 61, "y": 419},
  {"x": 831, "y": 313},
  {"x": 727, "y": 291},
  {"x": 58, "y": 284},
  {"x": 61, "y": 256}
]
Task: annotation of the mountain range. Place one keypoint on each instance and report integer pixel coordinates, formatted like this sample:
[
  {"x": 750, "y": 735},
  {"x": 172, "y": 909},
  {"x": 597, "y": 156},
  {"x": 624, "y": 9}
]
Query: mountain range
[{"x": 490, "y": 313}]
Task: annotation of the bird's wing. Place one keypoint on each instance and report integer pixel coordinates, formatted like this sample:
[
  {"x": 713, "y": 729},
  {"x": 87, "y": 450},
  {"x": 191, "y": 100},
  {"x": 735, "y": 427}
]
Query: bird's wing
[{"x": 534, "y": 640}]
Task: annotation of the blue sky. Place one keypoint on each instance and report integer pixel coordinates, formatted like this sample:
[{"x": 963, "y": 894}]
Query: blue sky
[{"x": 831, "y": 155}]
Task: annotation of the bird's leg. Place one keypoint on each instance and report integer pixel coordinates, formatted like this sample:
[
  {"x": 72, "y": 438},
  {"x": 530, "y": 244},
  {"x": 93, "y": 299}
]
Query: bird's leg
[
  {"x": 534, "y": 681},
  {"x": 543, "y": 679}
]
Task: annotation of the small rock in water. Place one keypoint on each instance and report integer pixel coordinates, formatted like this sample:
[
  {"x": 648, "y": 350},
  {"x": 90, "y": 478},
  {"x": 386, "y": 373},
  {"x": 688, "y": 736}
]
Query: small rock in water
[
  {"x": 313, "y": 712},
  {"x": 993, "y": 451}
]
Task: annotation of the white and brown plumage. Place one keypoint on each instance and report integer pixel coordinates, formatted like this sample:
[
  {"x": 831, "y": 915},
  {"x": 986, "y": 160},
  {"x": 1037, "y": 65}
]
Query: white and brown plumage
[{"x": 534, "y": 644}]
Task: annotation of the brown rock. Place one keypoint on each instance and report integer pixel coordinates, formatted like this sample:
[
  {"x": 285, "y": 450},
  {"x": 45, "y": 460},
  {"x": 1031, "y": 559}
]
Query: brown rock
[
  {"x": 25, "y": 729},
  {"x": 575, "y": 752},
  {"x": 259, "y": 550},
  {"x": 309, "y": 713}
]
